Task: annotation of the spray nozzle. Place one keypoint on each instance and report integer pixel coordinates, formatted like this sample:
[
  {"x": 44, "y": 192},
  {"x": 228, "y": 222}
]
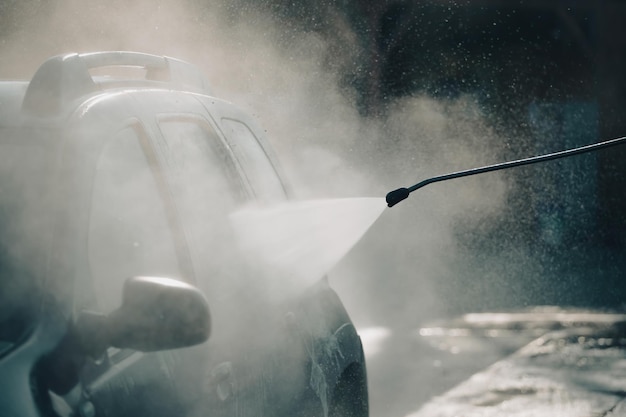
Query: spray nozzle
[{"x": 395, "y": 196}]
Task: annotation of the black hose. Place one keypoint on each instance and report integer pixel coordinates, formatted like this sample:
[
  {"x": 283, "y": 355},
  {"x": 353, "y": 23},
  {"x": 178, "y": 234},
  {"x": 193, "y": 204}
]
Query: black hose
[{"x": 395, "y": 196}]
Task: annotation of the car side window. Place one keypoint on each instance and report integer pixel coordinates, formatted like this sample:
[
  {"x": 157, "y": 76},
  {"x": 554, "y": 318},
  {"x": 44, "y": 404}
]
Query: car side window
[
  {"x": 257, "y": 166},
  {"x": 206, "y": 188},
  {"x": 129, "y": 233}
]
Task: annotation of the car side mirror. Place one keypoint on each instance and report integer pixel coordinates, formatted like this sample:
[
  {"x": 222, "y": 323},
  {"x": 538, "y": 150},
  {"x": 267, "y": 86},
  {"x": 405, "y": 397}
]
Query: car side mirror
[{"x": 158, "y": 314}]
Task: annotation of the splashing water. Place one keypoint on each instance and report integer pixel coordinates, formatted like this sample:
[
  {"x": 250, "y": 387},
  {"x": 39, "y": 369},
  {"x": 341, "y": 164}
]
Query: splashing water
[{"x": 303, "y": 240}]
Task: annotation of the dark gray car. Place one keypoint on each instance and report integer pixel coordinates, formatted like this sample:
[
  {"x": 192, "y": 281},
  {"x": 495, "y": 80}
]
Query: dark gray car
[{"x": 114, "y": 247}]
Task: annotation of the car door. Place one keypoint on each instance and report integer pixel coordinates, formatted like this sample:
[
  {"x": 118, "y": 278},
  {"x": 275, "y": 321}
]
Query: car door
[
  {"x": 249, "y": 351},
  {"x": 132, "y": 232},
  {"x": 208, "y": 183}
]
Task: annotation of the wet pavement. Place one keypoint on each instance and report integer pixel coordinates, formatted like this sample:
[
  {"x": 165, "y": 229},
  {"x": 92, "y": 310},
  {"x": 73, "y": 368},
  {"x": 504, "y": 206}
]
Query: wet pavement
[{"x": 436, "y": 370}]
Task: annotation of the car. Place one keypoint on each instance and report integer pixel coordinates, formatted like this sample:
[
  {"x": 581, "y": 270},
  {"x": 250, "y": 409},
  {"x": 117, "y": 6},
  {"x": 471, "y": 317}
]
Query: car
[{"x": 122, "y": 293}]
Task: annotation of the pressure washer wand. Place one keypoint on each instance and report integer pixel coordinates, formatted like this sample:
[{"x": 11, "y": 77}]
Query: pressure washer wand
[{"x": 395, "y": 196}]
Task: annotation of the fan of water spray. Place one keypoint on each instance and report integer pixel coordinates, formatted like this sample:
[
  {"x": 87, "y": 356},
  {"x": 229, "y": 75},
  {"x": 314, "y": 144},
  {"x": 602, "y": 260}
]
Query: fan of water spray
[{"x": 303, "y": 240}]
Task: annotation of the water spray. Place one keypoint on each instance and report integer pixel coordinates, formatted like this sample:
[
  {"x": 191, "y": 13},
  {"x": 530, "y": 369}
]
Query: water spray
[{"x": 396, "y": 196}]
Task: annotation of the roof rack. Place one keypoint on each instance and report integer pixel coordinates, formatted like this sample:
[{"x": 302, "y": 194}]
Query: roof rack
[{"x": 63, "y": 78}]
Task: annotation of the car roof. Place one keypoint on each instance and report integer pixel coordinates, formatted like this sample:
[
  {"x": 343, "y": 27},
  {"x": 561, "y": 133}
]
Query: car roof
[
  {"x": 67, "y": 83},
  {"x": 63, "y": 81}
]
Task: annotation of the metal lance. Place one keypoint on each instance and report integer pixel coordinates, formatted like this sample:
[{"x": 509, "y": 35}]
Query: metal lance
[{"x": 396, "y": 196}]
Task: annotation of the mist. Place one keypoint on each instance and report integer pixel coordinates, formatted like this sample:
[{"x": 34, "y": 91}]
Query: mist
[
  {"x": 290, "y": 80},
  {"x": 415, "y": 262}
]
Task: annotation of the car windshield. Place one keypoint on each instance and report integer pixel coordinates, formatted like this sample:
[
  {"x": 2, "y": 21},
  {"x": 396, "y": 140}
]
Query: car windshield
[{"x": 21, "y": 230}]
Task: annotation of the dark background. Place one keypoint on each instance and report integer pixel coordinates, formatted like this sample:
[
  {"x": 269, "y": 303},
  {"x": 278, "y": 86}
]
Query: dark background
[{"x": 551, "y": 71}]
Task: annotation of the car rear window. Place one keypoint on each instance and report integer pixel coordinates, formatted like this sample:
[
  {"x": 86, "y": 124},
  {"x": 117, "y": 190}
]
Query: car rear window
[{"x": 257, "y": 166}]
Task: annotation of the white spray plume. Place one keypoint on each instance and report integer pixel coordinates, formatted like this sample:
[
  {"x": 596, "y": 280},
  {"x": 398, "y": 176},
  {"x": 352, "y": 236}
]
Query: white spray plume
[{"x": 303, "y": 240}]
